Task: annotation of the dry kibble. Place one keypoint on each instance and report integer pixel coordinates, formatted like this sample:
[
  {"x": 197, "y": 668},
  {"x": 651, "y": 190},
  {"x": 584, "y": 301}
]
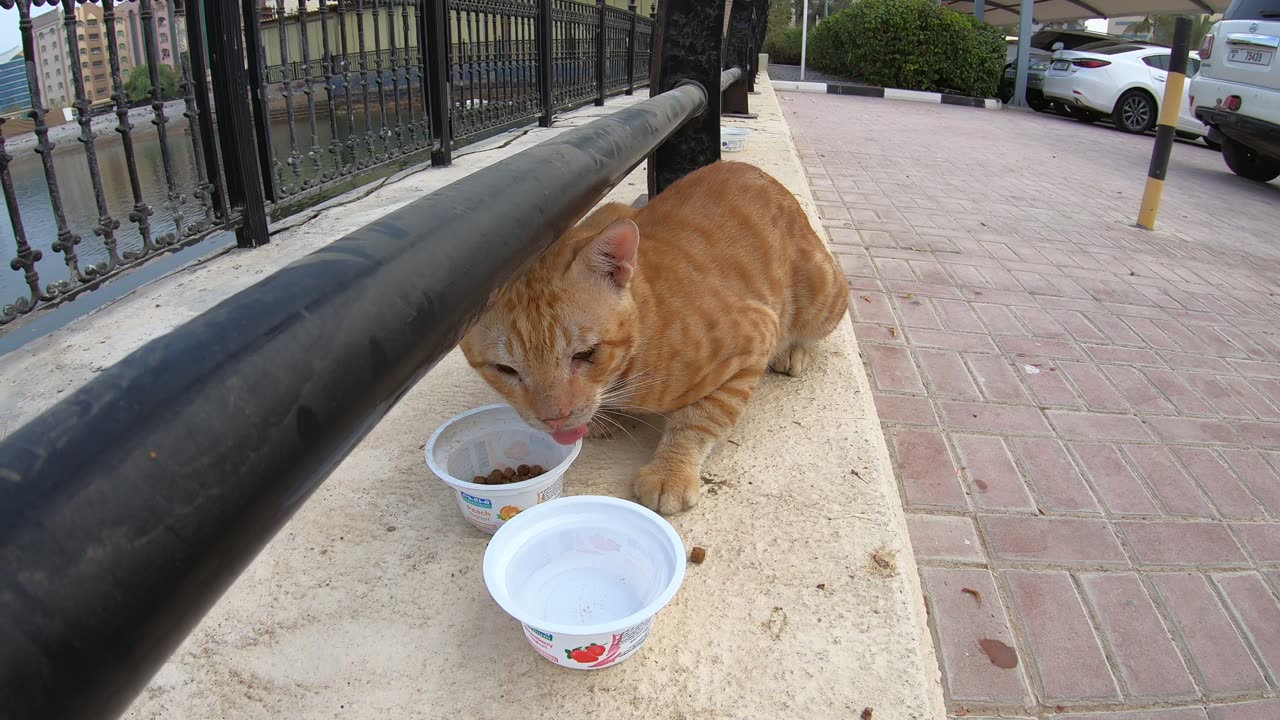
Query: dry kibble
[
  {"x": 535, "y": 470},
  {"x": 697, "y": 555},
  {"x": 523, "y": 470},
  {"x": 480, "y": 480},
  {"x": 496, "y": 477},
  {"x": 508, "y": 474}
]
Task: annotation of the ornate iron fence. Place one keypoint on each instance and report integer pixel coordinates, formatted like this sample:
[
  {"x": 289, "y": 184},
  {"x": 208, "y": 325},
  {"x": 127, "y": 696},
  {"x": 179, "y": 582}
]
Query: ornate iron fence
[{"x": 151, "y": 127}]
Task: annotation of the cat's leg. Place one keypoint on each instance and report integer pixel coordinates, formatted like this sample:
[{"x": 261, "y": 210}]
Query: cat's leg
[
  {"x": 791, "y": 359},
  {"x": 672, "y": 481}
]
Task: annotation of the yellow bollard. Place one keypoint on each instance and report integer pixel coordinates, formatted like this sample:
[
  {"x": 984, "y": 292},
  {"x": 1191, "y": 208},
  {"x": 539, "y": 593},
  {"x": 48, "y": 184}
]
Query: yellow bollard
[{"x": 1166, "y": 125}]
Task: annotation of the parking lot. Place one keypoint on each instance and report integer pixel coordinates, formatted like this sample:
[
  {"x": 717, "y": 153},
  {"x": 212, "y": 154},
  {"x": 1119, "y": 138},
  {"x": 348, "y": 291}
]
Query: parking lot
[{"x": 1084, "y": 416}]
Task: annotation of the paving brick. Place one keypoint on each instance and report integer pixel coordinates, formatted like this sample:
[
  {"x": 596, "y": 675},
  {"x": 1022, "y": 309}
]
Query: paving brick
[
  {"x": 871, "y": 307},
  {"x": 944, "y": 537},
  {"x": 996, "y": 481},
  {"x": 1183, "y": 338},
  {"x": 984, "y": 417},
  {"x": 925, "y": 470},
  {"x": 916, "y": 312},
  {"x": 958, "y": 316},
  {"x": 1114, "y": 328},
  {"x": 1056, "y": 540},
  {"x": 1181, "y": 543},
  {"x": 905, "y": 409},
  {"x": 1093, "y": 387},
  {"x": 1186, "y": 713},
  {"x": 999, "y": 320},
  {"x": 1120, "y": 490},
  {"x": 1192, "y": 430},
  {"x": 1090, "y": 426},
  {"x": 1041, "y": 323},
  {"x": 1251, "y": 398},
  {"x": 1179, "y": 392},
  {"x": 1047, "y": 382},
  {"x": 962, "y": 342},
  {"x": 930, "y": 272},
  {"x": 1257, "y": 710},
  {"x": 1148, "y": 662},
  {"x": 1256, "y": 612},
  {"x": 911, "y": 287},
  {"x": 967, "y": 630},
  {"x": 1032, "y": 347},
  {"x": 1123, "y": 355},
  {"x": 1079, "y": 327},
  {"x": 865, "y": 283},
  {"x": 1256, "y": 475},
  {"x": 1070, "y": 664},
  {"x": 1194, "y": 361},
  {"x": 1218, "y": 482},
  {"x": 965, "y": 275},
  {"x": 1217, "y": 653},
  {"x": 1262, "y": 540},
  {"x": 893, "y": 368},
  {"x": 1269, "y": 388},
  {"x": 1250, "y": 368},
  {"x": 1171, "y": 485},
  {"x": 945, "y": 374},
  {"x": 877, "y": 333},
  {"x": 997, "y": 378},
  {"x": 1138, "y": 390},
  {"x": 1259, "y": 434},
  {"x": 1054, "y": 476},
  {"x": 1243, "y": 341}
]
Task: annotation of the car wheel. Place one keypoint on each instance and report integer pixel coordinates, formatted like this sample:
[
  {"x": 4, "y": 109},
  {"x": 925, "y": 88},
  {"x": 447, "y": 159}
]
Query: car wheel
[
  {"x": 1135, "y": 112},
  {"x": 1038, "y": 105},
  {"x": 1211, "y": 144},
  {"x": 1248, "y": 163}
]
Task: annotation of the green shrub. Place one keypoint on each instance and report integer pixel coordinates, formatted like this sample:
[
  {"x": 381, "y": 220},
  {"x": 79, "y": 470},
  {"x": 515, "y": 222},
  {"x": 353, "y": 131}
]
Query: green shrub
[
  {"x": 910, "y": 44},
  {"x": 784, "y": 47}
]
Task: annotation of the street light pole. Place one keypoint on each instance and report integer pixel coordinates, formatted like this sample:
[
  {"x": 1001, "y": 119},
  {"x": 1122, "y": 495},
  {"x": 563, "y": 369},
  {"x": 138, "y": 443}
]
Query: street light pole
[{"x": 804, "y": 39}]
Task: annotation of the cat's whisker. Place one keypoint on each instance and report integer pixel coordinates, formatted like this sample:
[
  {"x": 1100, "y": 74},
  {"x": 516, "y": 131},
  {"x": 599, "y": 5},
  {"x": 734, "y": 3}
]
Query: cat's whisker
[
  {"x": 632, "y": 417},
  {"x": 619, "y": 426}
]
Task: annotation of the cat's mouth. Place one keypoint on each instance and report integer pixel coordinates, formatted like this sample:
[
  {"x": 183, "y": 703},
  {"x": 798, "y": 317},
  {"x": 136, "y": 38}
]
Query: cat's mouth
[{"x": 569, "y": 436}]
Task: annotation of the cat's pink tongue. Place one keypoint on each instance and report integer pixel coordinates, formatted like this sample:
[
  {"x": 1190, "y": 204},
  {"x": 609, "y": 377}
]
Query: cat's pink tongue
[{"x": 570, "y": 436}]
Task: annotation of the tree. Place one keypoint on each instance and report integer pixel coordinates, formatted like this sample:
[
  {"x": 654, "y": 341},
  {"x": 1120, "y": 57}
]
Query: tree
[
  {"x": 138, "y": 86},
  {"x": 1066, "y": 25}
]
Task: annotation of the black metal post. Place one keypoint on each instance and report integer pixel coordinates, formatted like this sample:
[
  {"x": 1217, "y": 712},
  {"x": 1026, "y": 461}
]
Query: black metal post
[
  {"x": 198, "y": 58},
  {"x": 434, "y": 34},
  {"x": 601, "y": 47},
  {"x": 128, "y": 508},
  {"x": 739, "y": 47},
  {"x": 252, "y": 35},
  {"x": 235, "y": 124},
  {"x": 631, "y": 48},
  {"x": 686, "y": 48},
  {"x": 760, "y": 26},
  {"x": 546, "y": 63},
  {"x": 1166, "y": 127}
]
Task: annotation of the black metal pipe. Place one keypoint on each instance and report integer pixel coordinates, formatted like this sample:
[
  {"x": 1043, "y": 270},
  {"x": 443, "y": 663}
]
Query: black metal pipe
[
  {"x": 729, "y": 77},
  {"x": 129, "y": 507}
]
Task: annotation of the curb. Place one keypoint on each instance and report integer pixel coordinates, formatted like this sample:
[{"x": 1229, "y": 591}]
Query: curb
[{"x": 887, "y": 93}]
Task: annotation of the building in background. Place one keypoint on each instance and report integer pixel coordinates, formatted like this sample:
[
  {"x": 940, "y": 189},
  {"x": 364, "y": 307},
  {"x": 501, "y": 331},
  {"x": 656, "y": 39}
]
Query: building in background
[
  {"x": 14, "y": 93},
  {"x": 93, "y": 45}
]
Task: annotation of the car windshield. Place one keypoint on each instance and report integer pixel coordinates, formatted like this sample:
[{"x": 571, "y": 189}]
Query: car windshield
[{"x": 1253, "y": 10}]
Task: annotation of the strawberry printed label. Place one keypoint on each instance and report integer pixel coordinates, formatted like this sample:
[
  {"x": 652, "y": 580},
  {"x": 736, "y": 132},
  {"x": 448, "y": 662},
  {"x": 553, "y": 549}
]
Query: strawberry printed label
[{"x": 589, "y": 652}]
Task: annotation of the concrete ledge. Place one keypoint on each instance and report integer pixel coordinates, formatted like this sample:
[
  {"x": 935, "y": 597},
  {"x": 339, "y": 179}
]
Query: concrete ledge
[
  {"x": 370, "y": 603},
  {"x": 886, "y": 93}
]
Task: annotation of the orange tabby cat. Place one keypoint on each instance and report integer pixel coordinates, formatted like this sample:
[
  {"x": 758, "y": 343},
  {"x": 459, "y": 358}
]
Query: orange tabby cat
[{"x": 675, "y": 309}]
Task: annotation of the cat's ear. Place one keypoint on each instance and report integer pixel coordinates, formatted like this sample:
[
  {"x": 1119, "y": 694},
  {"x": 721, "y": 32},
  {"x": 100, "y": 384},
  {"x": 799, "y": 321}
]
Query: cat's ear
[{"x": 612, "y": 253}]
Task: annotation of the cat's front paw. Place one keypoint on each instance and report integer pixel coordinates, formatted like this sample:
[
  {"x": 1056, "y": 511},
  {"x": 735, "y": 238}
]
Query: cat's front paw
[{"x": 667, "y": 491}]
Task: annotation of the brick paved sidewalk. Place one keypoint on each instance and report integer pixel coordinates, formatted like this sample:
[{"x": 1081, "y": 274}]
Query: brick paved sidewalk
[{"x": 1084, "y": 417}]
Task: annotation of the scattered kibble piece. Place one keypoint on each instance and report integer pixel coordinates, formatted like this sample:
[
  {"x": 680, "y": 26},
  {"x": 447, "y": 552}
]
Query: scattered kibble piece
[
  {"x": 697, "y": 555},
  {"x": 523, "y": 470},
  {"x": 535, "y": 470},
  {"x": 509, "y": 473},
  {"x": 496, "y": 477},
  {"x": 866, "y": 713},
  {"x": 480, "y": 480},
  {"x": 822, "y": 586}
]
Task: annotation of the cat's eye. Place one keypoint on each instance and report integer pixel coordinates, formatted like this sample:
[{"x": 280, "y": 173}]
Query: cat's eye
[
  {"x": 505, "y": 369},
  {"x": 586, "y": 355}
]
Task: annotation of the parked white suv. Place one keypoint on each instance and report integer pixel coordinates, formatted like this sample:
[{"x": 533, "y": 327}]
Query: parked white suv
[{"x": 1237, "y": 93}]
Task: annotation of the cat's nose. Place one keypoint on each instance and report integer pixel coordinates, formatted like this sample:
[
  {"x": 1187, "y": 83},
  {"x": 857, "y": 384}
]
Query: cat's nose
[{"x": 556, "y": 423}]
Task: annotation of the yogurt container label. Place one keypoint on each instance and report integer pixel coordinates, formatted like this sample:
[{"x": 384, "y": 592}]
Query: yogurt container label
[{"x": 588, "y": 652}]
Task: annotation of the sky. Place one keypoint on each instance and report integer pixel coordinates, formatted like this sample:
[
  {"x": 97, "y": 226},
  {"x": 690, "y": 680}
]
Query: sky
[{"x": 9, "y": 36}]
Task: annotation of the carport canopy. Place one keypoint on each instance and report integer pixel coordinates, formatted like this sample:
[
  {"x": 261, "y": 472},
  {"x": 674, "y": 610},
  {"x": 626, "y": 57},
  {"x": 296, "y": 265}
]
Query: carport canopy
[{"x": 1024, "y": 12}]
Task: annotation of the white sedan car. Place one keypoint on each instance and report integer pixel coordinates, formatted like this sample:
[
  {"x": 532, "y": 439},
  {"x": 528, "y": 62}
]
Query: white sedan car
[{"x": 1126, "y": 82}]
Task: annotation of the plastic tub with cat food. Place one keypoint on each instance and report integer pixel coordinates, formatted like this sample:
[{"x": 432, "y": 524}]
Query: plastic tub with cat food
[
  {"x": 479, "y": 441},
  {"x": 585, "y": 576},
  {"x": 733, "y": 139}
]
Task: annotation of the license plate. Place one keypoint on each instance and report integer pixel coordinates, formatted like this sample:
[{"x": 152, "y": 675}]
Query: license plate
[
  {"x": 1250, "y": 57},
  {"x": 1061, "y": 64}
]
